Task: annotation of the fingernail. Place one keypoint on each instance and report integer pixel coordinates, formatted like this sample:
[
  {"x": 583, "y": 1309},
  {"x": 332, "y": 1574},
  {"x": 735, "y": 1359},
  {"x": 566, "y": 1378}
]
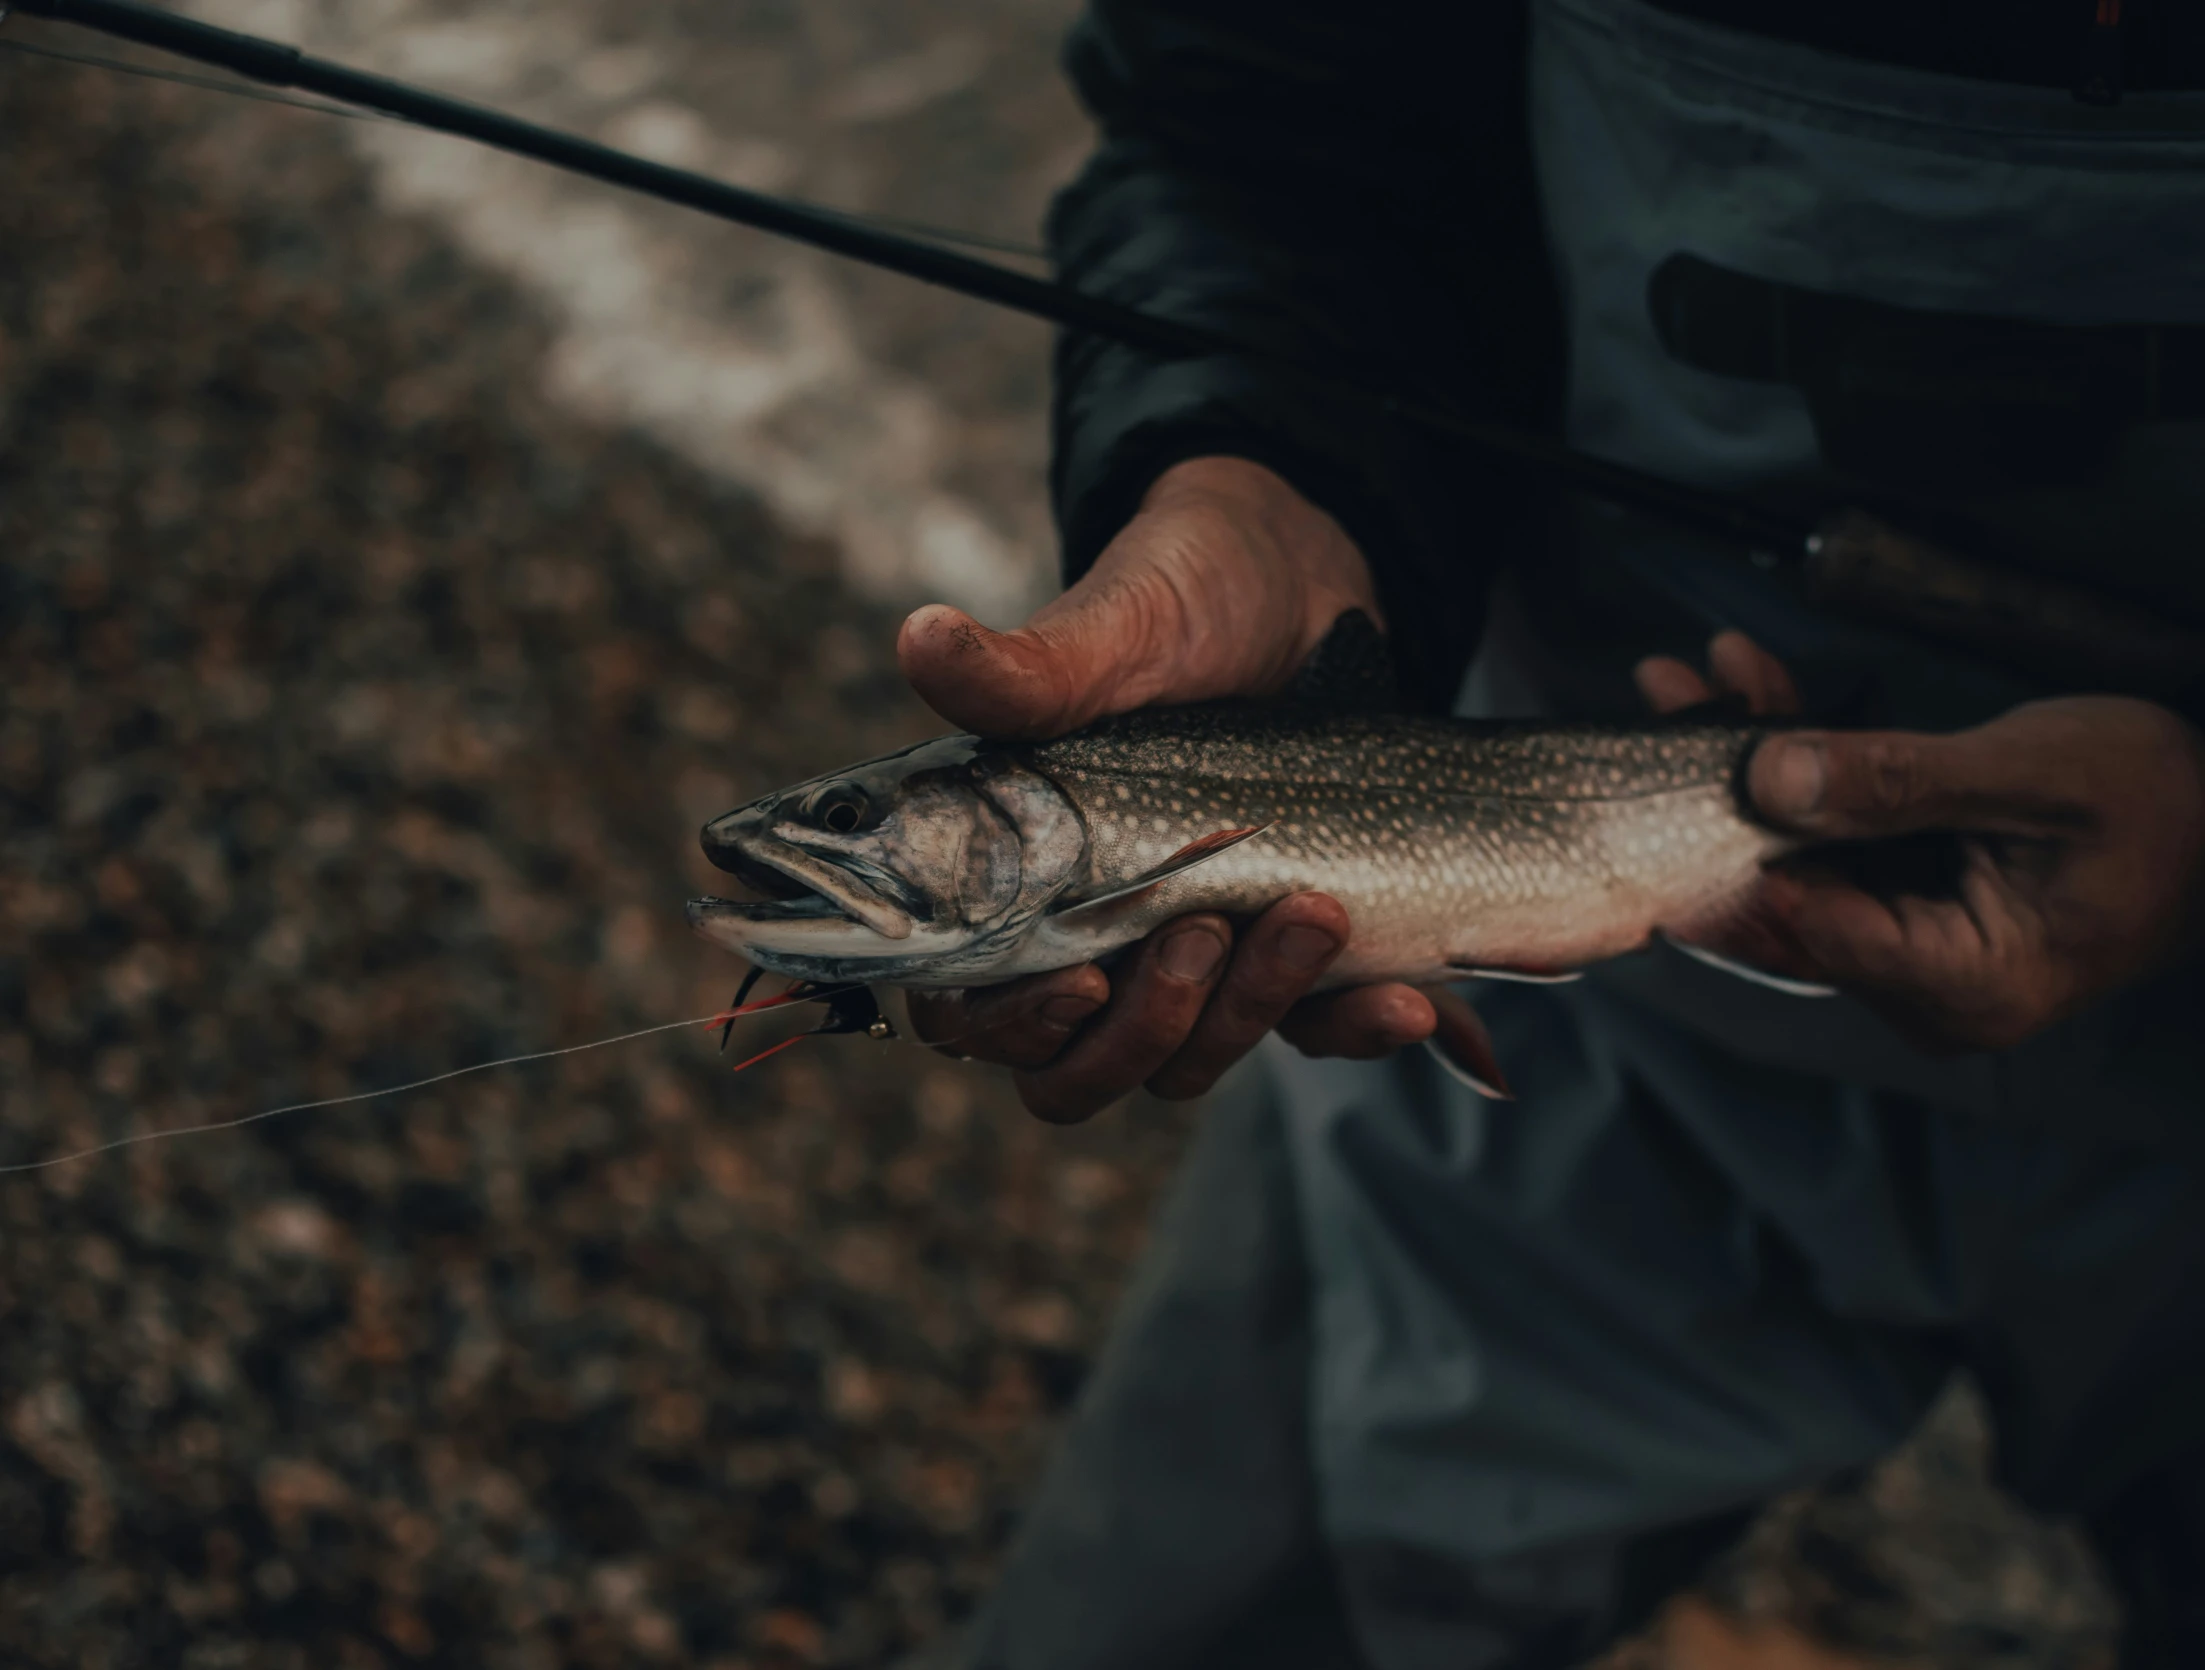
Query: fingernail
[
  {"x": 1067, "y": 1011},
  {"x": 1305, "y": 949},
  {"x": 1790, "y": 778},
  {"x": 1192, "y": 954}
]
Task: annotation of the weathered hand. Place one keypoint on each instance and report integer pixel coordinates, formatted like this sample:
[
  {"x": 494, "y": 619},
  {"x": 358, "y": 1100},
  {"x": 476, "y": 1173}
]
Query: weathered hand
[
  {"x": 2083, "y": 833},
  {"x": 2083, "y": 824},
  {"x": 1221, "y": 586}
]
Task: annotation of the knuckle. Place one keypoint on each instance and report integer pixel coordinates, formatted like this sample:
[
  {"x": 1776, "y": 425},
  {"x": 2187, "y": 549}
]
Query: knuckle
[
  {"x": 996, "y": 1042},
  {"x": 1166, "y": 1001},
  {"x": 1198, "y": 1066},
  {"x": 935, "y": 1015},
  {"x": 1886, "y": 961},
  {"x": 1059, "y": 1101},
  {"x": 997, "y": 1008},
  {"x": 1346, "y": 1032},
  {"x": 1319, "y": 1042},
  {"x": 1997, "y": 1014},
  {"x": 1025, "y": 1051},
  {"x": 1307, "y": 1025},
  {"x": 1227, "y": 1031},
  {"x": 1152, "y": 1039},
  {"x": 1191, "y": 956},
  {"x": 1132, "y": 1041},
  {"x": 1250, "y": 1006},
  {"x": 1889, "y": 777},
  {"x": 1183, "y": 1082},
  {"x": 1998, "y": 1025}
]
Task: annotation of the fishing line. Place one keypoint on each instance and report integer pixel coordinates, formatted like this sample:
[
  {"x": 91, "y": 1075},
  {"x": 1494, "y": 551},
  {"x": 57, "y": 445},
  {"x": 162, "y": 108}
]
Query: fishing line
[
  {"x": 209, "y": 84},
  {"x": 724, "y": 1016}
]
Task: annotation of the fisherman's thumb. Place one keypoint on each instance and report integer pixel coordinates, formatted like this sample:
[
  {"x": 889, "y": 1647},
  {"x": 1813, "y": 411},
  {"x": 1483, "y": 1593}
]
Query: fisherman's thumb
[
  {"x": 1861, "y": 785},
  {"x": 1036, "y": 681}
]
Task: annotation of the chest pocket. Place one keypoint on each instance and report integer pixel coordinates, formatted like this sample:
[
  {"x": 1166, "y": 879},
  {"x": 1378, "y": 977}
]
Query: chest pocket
[{"x": 1910, "y": 397}]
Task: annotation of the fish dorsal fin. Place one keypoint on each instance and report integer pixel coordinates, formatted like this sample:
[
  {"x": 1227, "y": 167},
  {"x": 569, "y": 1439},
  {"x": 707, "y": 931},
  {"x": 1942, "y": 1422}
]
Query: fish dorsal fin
[
  {"x": 1350, "y": 671},
  {"x": 1198, "y": 851}
]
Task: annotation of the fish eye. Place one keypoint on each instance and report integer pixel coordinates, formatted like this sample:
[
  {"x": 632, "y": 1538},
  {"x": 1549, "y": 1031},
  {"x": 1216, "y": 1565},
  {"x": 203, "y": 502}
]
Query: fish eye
[{"x": 840, "y": 807}]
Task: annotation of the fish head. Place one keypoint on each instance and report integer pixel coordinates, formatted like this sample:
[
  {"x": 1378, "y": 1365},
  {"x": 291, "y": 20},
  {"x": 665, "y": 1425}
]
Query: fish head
[{"x": 918, "y": 868}]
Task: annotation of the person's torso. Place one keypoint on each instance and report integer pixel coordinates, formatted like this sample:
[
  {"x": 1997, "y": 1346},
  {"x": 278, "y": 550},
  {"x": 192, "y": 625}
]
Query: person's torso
[
  {"x": 1977, "y": 307},
  {"x": 1475, "y": 1266}
]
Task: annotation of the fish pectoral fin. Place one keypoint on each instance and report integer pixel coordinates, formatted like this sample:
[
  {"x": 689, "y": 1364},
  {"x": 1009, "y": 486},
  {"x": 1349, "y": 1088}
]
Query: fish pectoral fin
[
  {"x": 1198, "y": 851},
  {"x": 1746, "y": 971},
  {"x": 1461, "y": 1044},
  {"x": 1523, "y": 976}
]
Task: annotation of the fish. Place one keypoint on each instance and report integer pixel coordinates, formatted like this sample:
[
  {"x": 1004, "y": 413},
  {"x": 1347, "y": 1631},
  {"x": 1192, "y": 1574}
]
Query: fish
[{"x": 1460, "y": 848}]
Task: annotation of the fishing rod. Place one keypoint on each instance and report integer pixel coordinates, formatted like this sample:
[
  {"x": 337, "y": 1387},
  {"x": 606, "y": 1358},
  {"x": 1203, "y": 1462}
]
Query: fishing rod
[
  {"x": 278, "y": 65},
  {"x": 1851, "y": 563}
]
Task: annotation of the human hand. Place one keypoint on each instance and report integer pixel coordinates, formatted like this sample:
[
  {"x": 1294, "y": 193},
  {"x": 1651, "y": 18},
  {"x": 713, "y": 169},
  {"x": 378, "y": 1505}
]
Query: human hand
[
  {"x": 2082, "y": 826},
  {"x": 1220, "y": 586}
]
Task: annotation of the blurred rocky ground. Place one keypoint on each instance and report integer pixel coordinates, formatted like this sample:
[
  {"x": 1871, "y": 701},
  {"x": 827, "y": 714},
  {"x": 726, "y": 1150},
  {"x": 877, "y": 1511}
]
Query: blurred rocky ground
[
  {"x": 389, "y": 586},
  {"x": 361, "y": 705},
  {"x": 902, "y": 422}
]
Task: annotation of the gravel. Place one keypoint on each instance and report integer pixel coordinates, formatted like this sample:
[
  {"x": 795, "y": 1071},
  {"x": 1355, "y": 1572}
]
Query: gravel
[{"x": 361, "y": 709}]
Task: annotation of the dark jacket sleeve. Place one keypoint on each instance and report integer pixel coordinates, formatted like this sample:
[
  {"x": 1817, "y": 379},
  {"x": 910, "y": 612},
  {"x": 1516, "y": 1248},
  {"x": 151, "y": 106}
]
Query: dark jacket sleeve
[{"x": 1344, "y": 184}]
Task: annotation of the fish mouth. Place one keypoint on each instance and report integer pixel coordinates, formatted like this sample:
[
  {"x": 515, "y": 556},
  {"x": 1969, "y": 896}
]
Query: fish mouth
[
  {"x": 810, "y": 938},
  {"x": 802, "y": 887},
  {"x": 775, "y": 885},
  {"x": 802, "y": 907},
  {"x": 755, "y": 928}
]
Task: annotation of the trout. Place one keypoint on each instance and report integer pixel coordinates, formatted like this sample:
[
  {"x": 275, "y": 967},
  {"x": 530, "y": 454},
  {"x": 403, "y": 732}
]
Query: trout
[{"x": 1459, "y": 848}]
